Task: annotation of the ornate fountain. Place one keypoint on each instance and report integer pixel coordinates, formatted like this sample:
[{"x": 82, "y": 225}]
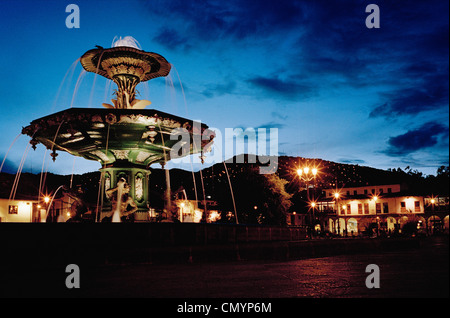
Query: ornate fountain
[{"x": 124, "y": 137}]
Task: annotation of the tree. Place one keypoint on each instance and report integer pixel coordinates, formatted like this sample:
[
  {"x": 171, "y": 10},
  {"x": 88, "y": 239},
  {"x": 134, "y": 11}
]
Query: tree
[
  {"x": 278, "y": 200},
  {"x": 261, "y": 198}
]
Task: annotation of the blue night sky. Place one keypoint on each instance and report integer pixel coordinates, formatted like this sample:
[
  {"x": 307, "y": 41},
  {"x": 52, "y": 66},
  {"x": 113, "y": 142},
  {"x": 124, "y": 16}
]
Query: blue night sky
[{"x": 335, "y": 89}]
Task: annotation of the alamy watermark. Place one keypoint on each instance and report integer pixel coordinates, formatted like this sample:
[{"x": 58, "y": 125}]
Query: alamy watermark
[
  {"x": 373, "y": 279},
  {"x": 261, "y": 145},
  {"x": 373, "y": 19},
  {"x": 73, "y": 19},
  {"x": 73, "y": 279}
]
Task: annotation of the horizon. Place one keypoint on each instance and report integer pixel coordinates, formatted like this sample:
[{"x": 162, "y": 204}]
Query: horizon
[{"x": 155, "y": 167}]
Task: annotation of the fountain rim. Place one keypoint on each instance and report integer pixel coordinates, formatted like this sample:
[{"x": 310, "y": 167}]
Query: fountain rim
[
  {"x": 102, "y": 111},
  {"x": 163, "y": 67}
]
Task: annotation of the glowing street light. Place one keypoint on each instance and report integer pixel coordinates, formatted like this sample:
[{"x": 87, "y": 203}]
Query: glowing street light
[
  {"x": 47, "y": 199},
  {"x": 307, "y": 174},
  {"x": 432, "y": 202}
]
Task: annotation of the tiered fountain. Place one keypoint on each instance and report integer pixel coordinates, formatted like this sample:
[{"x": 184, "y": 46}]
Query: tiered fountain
[{"x": 124, "y": 137}]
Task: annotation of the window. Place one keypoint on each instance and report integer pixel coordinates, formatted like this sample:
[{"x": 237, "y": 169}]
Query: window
[
  {"x": 360, "y": 208},
  {"x": 373, "y": 191},
  {"x": 355, "y": 192},
  {"x": 348, "y": 192},
  {"x": 389, "y": 190},
  {"x": 378, "y": 207},
  {"x": 366, "y": 208},
  {"x": 403, "y": 206},
  {"x": 381, "y": 190},
  {"x": 416, "y": 206},
  {"x": 13, "y": 209},
  {"x": 349, "y": 209},
  {"x": 385, "y": 207},
  {"x": 365, "y": 191}
]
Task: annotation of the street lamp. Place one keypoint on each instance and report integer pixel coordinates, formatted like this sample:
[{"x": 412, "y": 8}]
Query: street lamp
[
  {"x": 433, "y": 202},
  {"x": 336, "y": 196},
  {"x": 307, "y": 174}
]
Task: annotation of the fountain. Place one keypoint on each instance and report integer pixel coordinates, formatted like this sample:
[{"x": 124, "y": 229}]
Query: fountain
[{"x": 125, "y": 137}]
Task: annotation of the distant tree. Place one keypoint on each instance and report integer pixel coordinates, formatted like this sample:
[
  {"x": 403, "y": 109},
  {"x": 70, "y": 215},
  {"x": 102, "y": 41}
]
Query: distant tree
[
  {"x": 443, "y": 171},
  {"x": 278, "y": 200},
  {"x": 261, "y": 198}
]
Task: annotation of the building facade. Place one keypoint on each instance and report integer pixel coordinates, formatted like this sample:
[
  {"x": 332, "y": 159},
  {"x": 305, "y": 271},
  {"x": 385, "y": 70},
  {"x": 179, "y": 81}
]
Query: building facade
[
  {"x": 377, "y": 210},
  {"x": 19, "y": 210}
]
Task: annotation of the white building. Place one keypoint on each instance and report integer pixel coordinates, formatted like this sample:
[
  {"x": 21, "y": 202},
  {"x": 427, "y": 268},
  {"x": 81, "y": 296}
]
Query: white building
[
  {"x": 385, "y": 208},
  {"x": 18, "y": 210}
]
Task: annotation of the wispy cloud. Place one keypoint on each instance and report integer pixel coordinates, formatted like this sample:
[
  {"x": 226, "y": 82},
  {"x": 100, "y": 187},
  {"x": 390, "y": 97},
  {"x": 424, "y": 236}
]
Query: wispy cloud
[
  {"x": 170, "y": 37},
  {"x": 219, "y": 89},
  {"x": 288, "y": 89},
  {"x": 426, "y": 136}
]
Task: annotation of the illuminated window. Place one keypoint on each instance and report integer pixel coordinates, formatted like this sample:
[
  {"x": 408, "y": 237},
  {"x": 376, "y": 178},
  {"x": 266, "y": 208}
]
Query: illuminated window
[
  {"x": 416, "y": 206},
  {"x": 349, "y": 209},
  {"x": 360, "y": 208},
  {"x": 366, "y": 208},
  {"x": 13, "y": 209},
  {"x": 403, "y": 206},
  {"x": 378, "y": 207}
]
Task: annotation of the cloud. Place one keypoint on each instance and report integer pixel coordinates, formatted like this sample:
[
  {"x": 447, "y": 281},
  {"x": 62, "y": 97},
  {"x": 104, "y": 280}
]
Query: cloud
[
  {"x": 351, "y": 161},
  {"x": 288, "y": 89},
  {"x": 279, "y": 116},
  {"x": 171, "y": 38},
  {"x": 210, "y": 20},
  {"x": 426, "y": 136},
  {"x": 427, "y": 90},
  {"x": 219, "y": 89}
]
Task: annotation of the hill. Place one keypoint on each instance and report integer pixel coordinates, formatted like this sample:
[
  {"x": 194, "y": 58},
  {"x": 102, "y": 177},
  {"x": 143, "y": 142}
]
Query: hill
[{"x": 240, "y": 171}]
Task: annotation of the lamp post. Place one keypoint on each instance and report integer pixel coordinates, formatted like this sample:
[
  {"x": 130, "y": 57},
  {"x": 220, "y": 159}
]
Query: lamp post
[
  {"x": 307, "y": 174},
  {"x": 46, "y": 201},
  {"x": 375, "y": 198},
  {"x": 336, "y": 196},
  {"x": 313, "y": 206},
  {"x": 432, "y": 202}
]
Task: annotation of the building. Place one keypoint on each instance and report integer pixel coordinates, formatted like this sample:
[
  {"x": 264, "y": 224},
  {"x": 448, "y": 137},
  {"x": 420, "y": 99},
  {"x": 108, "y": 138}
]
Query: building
[
  {"x": 29, "y": 209},
  {"x": 20, "y": 210},
  {"x": 378, "y": 210}
]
